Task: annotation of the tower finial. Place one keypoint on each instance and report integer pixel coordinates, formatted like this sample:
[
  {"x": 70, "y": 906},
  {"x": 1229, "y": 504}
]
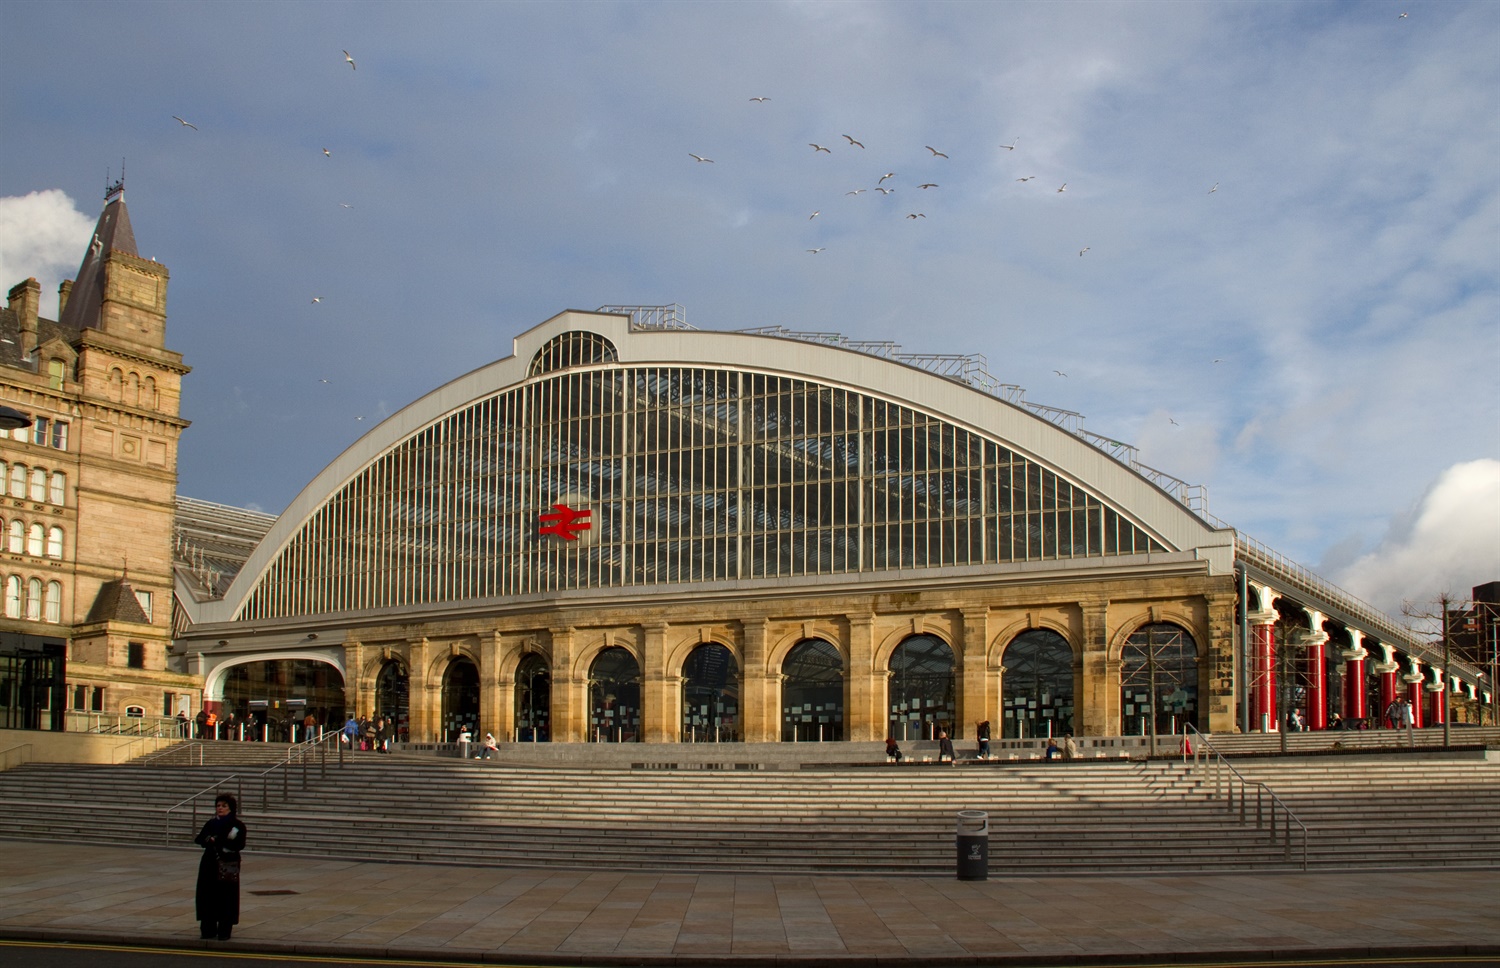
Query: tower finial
[{"x": 117, "y": 189}]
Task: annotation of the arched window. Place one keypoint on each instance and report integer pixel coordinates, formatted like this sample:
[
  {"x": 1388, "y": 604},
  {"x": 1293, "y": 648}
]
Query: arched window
[
  {"x": 1158, "y": 671},
  {"x": 35, "y": 540},
  {"x": 392, "y": 697},
  {"x": 17, "y": 537},
  {"x": 533, "y": 700},
  {"x": 56, "y": 371},
  {"x": 4, "y": 473},
  {"x": 1036, "y": 688},
  {"x": 573, "y": 348},
  {"x": 18, "y": 480},
  {"x": 58, "y": 491},
  {"x": 54, "y": 542},
  {"x": 921, "y": 689},
  {"x": 148, "y": 392},
  {"x": 460, "y": 698},
  {"x": 53, "y": 602},
  {"x": 614, "y": 697},
  {"x": 812, "y": 693},
  {"x": 710, "y": 695},
  {"x": 34, "y": 600},
  {"x": 13, "y": 596},
  {"x": 116, "y": 385},
  {"x": 38, "y": 485},
  {"x": 133, "y": 389}
]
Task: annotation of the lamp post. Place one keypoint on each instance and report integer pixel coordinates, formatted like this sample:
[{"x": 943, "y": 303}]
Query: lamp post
[{"x": 13, "y": 419}]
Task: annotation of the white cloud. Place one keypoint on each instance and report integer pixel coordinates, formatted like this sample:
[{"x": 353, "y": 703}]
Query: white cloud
[
  {"x": 43, "y": 235},
  {"x": 1450, "y": 543}
]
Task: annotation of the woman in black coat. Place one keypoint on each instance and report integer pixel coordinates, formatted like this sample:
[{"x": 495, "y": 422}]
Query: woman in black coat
[{"x": 218, "y": 895}]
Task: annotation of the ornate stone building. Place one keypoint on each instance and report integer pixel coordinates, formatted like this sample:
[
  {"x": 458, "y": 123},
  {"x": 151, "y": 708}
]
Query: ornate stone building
[{"x": 89, "y": 490}]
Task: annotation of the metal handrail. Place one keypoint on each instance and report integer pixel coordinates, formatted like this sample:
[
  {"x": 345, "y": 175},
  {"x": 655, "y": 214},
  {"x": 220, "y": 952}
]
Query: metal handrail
[
  {"x": 1207, "y": 759},
  {"x": 23, "y": 757},
  {"x": 163, "y": 754},
  {"x": 299, "y": 753}
]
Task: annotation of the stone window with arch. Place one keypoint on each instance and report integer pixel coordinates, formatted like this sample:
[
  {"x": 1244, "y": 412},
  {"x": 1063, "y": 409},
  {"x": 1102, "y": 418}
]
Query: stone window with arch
[
  {"x": 1158, "y": 681},
  {"x": 18, "y": 476},
  {"x": 34, "y": 600},
  {"x": 52, "y": 603},
  {"x": 812, "y": 693},
  {"x": 614, "y": 697},
  {"x": 710, "y": 695},
  {"x": 921, "y": 689},
  {"x": 1036, "y": 686}
]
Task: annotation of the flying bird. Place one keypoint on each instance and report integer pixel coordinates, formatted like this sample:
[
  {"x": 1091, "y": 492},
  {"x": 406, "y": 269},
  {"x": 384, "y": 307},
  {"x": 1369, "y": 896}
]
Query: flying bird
[
  {"x": 1027, "y": 178},
  {"x": 1012, "y": 145},
  {"x": 327, "y": 153},
  {"x": 889, "y": 174},
  {"x": 857, "y": 191},
  {"x": 1083, "y": 250},
  {"x": 817, "y": 148},
  {"x": 1219, "y": 361},
  {"x": 916, "y": 215},
  {"x": 885, "y": 191},
  {"x": 345, "y": 205},
  {"x": 317, "y": 299},
  {"x": 935, "y": 152},
  {"x": 1064, "y": 187},
  {"x": 1059, "y": 372},
  {"x": 350, "y": 60},
  {"x": 1214, "y": 189},
  {"x": 815, "y": 215},
  {"x": 185, "y": 124},
  {"x": 700, "y": 158},
  {"x": 760, "y": 100},
  {"x": 929, "y": 185},
  {"x": 1173, "y": 422},
  {"x": 853, "y": 142},
  {"x": 1401, "y": 16},
  {"x": 816, "y": 251}
]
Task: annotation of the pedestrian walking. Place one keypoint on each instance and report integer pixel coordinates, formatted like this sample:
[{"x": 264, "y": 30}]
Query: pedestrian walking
[
  {"x": 983, "y": 732},
  {"x": 217, "y": 898},
  {"x": 892, "y": 751},
  {"x": 1069, "y": 748},
  {"x": 351, "y": 733}
]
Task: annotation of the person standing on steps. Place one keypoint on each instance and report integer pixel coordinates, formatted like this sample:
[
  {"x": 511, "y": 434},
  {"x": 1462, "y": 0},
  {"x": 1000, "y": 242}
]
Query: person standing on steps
[
  {"x": 217, "y": 898},
  {"x": 1069, "y": 748},
  {"x": 945, "y": 749},
  {"x": 983, "y": 732},
  {"x": 892, "y": 751}
]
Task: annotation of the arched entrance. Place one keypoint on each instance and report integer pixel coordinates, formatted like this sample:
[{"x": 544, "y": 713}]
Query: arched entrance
[
  {"x": 533, "y": 700},
  {"x": 1158, "y": 681},
  {"x": 710, "y": 696},
  {"x": 392, "y": 700},
  {"x": 614, "y": 697},
  {"x": 812, "y": 693},
  {"x": 269, "y": 698},
  {"x": 1036, "y": 688},
  {"x": 921, "y": 689},
  {"x": 460, "y": 698}
]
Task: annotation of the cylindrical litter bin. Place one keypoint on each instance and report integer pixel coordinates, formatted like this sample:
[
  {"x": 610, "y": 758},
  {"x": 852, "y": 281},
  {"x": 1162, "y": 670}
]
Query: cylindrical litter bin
[{"x": 973, "y": 845}]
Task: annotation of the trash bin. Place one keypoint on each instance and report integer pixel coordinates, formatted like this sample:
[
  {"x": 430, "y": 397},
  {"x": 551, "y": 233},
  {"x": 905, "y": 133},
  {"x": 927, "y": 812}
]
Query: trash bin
[{"x": 973, "y": 845}]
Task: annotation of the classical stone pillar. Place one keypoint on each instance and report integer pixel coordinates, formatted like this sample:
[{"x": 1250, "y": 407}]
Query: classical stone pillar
[
  {"x": 1356, "y": 705},
  {"x": 1263, "y": 711},
  {"x": 1315, "y": 666},
  {"x": 1097, "y": 690},
  {"x": 865, "y": 716},
  {"x": 424, "y": 696},
  {"x": 570, "y": 706},
  {"x": 1413, "y": 680},
  {"x": 1219, "y": 677},
  {"x": 358, "y": 697},
  {"x": 975, "y": 704},
  {"x": 660, "y": 717},
  {"x": 495, "y": 700},
  {"x": 760, "y": 705}
]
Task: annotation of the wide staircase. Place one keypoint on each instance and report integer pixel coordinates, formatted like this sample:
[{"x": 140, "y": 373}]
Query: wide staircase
[{"x": 1364, "y": 810}]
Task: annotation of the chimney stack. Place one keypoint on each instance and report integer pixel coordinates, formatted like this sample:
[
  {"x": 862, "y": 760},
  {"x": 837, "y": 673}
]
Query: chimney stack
[{"x": 25, "y": 302}]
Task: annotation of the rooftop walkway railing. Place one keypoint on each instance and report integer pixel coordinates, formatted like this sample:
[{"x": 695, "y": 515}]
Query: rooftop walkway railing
[{"x": 1212, "y": 769}]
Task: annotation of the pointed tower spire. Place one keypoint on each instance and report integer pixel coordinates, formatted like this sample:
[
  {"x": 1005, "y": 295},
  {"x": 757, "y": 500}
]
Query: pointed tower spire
[{"x": 112, "y": 234}]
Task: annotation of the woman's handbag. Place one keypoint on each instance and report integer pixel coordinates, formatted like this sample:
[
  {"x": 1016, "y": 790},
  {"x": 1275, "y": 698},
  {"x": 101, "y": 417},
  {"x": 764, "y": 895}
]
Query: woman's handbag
[{"x": 229, "y": 867}]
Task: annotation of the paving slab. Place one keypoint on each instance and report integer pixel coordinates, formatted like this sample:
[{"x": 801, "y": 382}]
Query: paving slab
[{"x": 330, "y": 907}]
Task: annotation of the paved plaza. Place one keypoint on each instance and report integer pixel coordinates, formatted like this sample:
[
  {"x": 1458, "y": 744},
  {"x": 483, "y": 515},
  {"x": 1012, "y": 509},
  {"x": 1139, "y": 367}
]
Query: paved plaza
[{"x": 338, "y": 907}]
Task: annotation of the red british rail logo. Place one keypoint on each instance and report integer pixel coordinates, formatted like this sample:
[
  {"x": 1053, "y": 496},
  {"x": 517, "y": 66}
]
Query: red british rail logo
[{"x": 566, "y": 522}]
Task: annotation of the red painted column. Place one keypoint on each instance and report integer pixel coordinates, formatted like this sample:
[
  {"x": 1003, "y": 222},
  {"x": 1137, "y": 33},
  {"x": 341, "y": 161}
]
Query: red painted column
[
  {"x": 1389, "y": 689},
  {"x": 1263, "y": 711},
  {"x": 1435, "y": 699},
  {"x": 1315, "y": 663},
  {"x": 1414, "y": 696},
  {"x": 1356, "y": 705}
]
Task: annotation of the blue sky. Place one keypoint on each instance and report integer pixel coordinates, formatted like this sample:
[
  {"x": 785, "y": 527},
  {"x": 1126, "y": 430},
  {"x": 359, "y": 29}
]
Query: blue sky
[{"x": 503, "y": 162}]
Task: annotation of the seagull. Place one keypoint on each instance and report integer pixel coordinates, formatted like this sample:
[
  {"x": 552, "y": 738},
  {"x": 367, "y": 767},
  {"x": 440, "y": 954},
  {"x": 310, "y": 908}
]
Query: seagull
[
  {"x": 1027, "y": 178},
  {"x": 1214, "y": 189},
  {"x": 916, "y": 215},
  {"x": 815, "y": 215},
  {"x": 816, "y": 251},
  {"x": 1173, "y": 422},
  {"x": 853, "y": 142},
  {"x": 327, "y": 153},
  {"x": 885, "y": 191},
  {"x": 1083, "y": 250},
  {"x": 700, "y": 158},
  {"x": 350, "y": 60},
  {"x": 889, "y": 174},
  {"x": 817, "y": 148},
  {"x": 1064, "y": 187},
  {"x": 1402, "y": 16},
  {"x": 929, "y": 185},
  {"x": 317, "y": 299},
  {"x": 1012, "y": 145},
  {"x": 857, "y": 191},
  {"x": 1219, "y": 361},
  {"x": 185, "y": 124},
  {"x": 760, "y": 100},
  {"x": 935, "y": 152},
  {"x": 1059, "y": 373},
  {"x": 345, "y": 205}
]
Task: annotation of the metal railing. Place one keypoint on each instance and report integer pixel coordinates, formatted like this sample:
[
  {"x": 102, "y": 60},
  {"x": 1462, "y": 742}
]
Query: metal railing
[
  {"x": 118, "y": 724},
  {"x": 14, "y": 756},
  {"x": 298, "y": 755},
  {"x": 1219, "y": 775},
  {"x": 190, "y": 750}
]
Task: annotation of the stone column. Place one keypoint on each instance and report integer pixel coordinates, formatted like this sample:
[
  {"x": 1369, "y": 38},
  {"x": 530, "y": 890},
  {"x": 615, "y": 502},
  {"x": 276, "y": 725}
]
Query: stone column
[
  {"x": 424, "y": 697},
  {"x": 356, "y": 698},
  {"x": 495, "y": 698},
  {"x": 659, "y": 706},
  {"x": 1315, "y": 665},
  {"x": 1097, "y": 689},
  {"x": 975, "y": 703},
  {"x": 1356, "y": 705},
  {"x": 865, "y": 718},
  {"x": 570, "y": 707},
  {"x": 760, "y": 706},
  {"x": 1219, "y": 676}
]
